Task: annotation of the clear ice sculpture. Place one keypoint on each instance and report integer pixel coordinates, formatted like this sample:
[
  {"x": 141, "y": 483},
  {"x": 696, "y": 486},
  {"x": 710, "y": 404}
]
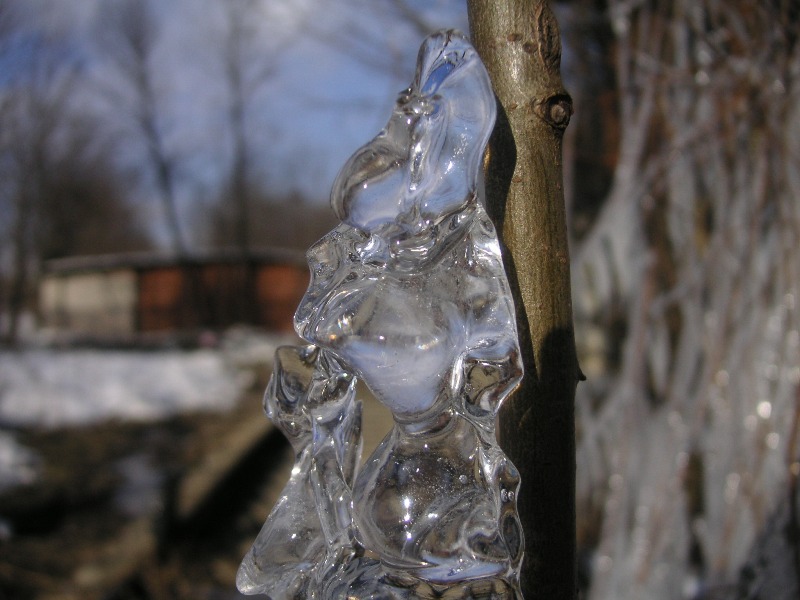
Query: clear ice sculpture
[{"x": 408, "y": 294}]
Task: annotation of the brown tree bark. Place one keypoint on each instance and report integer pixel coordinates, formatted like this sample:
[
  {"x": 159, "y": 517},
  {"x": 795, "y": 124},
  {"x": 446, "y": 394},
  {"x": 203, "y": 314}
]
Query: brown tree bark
[{"x": 518, "y": 41}]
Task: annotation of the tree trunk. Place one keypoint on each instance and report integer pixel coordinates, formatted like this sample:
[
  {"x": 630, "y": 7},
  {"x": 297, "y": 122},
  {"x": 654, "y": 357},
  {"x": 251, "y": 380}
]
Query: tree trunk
[{"x": 518, "y": 41}]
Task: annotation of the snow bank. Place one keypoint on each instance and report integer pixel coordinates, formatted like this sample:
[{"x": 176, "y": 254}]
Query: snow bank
[
  {"x": 52, "y": 388},
  {"x": 45, "y": 387}
]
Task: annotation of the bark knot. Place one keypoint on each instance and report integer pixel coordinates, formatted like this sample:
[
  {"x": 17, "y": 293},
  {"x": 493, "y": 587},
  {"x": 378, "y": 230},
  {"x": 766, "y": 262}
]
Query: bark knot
[{"x": 556, "y": 110}]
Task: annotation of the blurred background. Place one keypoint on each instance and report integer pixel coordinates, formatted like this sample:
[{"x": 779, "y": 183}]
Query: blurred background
[{"x": 163, "y": 167}]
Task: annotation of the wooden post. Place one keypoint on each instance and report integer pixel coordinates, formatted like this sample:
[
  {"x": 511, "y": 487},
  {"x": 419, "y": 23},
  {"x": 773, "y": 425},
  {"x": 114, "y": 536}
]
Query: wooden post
[{"x": 518, "y": 41}]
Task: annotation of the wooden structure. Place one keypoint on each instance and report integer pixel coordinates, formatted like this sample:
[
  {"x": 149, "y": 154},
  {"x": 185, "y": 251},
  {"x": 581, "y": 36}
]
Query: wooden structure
[{"x": 120, "y": 296}]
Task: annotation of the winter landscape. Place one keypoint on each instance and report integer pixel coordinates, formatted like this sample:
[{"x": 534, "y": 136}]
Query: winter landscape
[{"x": 185, "y": 133}]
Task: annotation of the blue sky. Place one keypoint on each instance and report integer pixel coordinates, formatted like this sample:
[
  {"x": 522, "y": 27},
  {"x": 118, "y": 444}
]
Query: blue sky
[
  {"x": 328, "y": 101},
  {"x": 337, "y": 69},
  {"x": 321, "y": 103}
]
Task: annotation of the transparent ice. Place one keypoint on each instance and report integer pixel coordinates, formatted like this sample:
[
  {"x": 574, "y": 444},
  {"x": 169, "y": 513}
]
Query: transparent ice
[{"x": 409, "y": 294}]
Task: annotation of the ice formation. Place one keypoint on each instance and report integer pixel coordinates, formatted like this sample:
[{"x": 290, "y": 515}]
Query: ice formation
[{"x": 409, "y": 294}]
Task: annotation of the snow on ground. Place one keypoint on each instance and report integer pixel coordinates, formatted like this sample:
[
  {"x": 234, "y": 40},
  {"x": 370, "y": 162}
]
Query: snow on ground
[
  {"x": 46, "y": 387},
  {"x": 53, "y": 388}
]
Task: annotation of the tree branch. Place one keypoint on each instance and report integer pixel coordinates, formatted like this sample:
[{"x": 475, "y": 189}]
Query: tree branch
[{"x": 518, "y": 41}]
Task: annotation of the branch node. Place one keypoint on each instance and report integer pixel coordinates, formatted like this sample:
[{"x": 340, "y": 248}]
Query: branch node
[{"x": 555, "y": 110}]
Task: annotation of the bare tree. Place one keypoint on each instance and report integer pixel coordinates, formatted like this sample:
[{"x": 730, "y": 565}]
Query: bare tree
[
  {"x": 129, "y": 37},
  {"x": 56, "y": 190},
  {"x": 85, "y": 209},
  {"x": 247, "y": 66},
  {"x": 6, "y": 249},
  {"x": 240, "y": 30},
  {"x": 294, "y": 222},
  {"x": 251, "y": 49},
  {"x": 31, "y": 114}
]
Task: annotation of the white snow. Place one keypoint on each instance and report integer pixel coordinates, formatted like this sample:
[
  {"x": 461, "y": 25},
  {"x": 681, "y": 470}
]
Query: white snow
[
  {"x": 53, "y": 388},
  {"x": 47, "y": 387}
]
